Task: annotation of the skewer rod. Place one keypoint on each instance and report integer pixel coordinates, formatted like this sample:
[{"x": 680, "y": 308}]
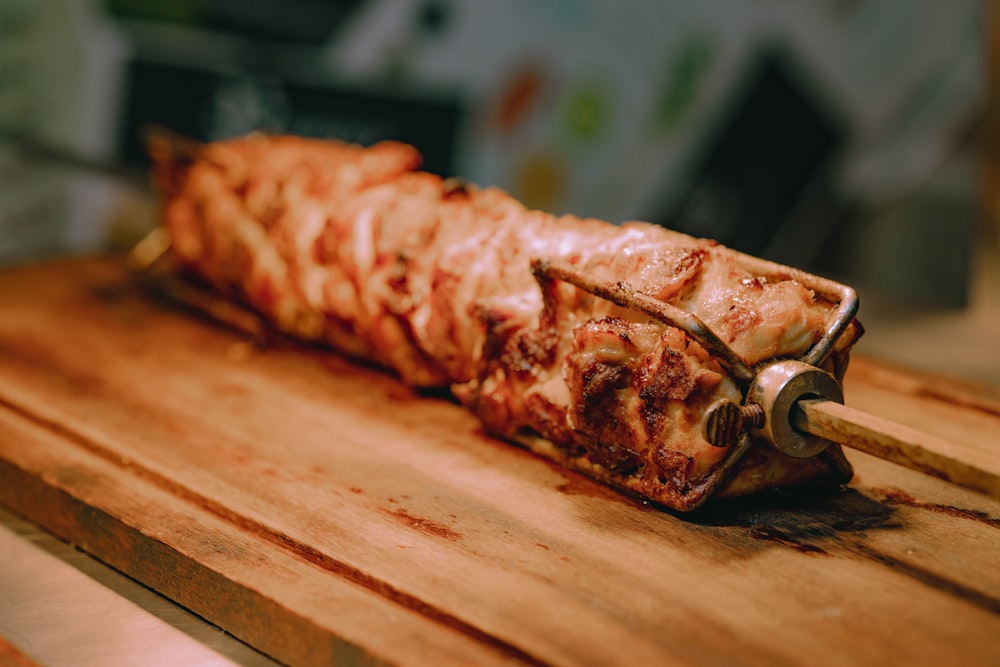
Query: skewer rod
[{"x": 893, "y": 442}]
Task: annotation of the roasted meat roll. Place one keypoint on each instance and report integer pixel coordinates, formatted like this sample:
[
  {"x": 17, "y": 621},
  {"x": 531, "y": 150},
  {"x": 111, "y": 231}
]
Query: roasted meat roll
[{"x": 450, "y": 285}]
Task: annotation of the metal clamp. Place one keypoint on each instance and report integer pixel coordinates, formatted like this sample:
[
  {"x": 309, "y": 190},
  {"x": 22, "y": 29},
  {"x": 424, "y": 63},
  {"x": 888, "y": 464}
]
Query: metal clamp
[{"x": 772, "y": 389}]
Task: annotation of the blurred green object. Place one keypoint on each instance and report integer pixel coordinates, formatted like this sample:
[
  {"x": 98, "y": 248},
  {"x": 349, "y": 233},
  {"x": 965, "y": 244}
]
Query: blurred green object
[
  {"x": 685, "y": 75},
  {"x": 588, "y": 111}
]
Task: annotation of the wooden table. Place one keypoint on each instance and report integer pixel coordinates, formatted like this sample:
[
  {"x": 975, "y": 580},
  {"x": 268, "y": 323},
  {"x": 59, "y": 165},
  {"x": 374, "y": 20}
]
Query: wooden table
[{"x": 323, "y": 512}]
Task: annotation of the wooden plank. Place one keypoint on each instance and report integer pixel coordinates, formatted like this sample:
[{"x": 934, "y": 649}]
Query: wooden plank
[
  {"x": 354, "y": 483},
  {"x": 284, "y": 604}
]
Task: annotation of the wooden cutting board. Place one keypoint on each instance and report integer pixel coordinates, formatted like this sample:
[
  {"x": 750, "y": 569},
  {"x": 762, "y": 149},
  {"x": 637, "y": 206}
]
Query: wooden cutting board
[{"x": 323, "y": 512}]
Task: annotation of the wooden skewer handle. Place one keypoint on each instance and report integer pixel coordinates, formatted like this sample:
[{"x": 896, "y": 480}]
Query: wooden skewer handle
[{"x": 894, "y": 442}]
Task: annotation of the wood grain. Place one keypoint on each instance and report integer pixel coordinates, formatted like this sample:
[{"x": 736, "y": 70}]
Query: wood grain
[{"x": 322, "y": 511}]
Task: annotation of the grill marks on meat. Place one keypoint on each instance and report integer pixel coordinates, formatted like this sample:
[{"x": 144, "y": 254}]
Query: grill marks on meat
[
  {"x": 433, "y": 279},
  {"x": 643, "y": 387}
]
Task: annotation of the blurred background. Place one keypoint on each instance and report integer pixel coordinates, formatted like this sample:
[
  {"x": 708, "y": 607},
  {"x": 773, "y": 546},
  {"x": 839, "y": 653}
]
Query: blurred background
[{"x": 847, "y": 137}]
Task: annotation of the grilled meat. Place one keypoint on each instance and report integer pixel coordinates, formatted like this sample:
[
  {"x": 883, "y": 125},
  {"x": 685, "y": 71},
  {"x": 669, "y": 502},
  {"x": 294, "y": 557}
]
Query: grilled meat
[{"x": 442, "y": 283}]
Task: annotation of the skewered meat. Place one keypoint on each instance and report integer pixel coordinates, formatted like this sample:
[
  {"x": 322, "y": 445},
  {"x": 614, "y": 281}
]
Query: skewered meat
[{"x": 445, "y": 284}]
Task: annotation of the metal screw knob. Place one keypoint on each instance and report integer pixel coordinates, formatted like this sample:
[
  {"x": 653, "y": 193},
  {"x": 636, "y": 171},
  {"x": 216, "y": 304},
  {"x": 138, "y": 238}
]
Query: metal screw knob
[{"x": 725, "y": 420}]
